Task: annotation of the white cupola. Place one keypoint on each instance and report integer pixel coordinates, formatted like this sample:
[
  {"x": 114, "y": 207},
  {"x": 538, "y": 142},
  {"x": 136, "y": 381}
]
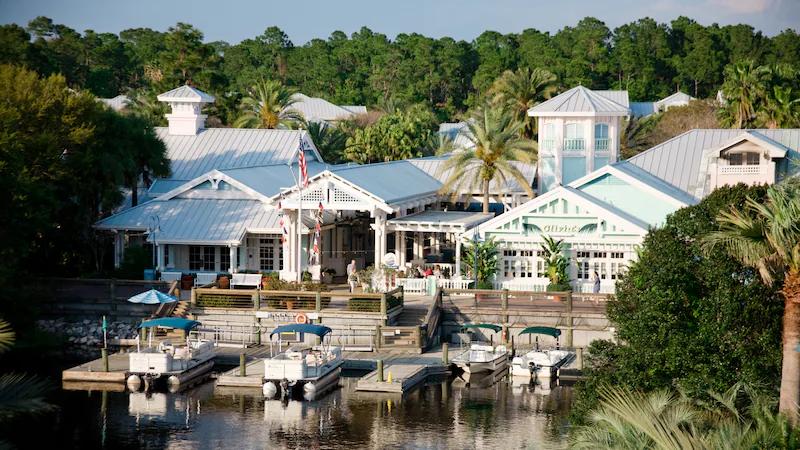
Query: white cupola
[{"x": 186, "y": 102}]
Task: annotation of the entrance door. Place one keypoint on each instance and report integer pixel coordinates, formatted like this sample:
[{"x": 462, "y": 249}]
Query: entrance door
[{"x": 270, "y": 258}]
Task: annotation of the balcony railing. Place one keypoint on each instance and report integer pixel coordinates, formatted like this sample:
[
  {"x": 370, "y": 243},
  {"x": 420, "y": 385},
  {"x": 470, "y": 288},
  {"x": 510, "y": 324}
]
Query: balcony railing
[
  {"x": 572, "y": 145},
  {"x": 601, "y": 144},
  {"x": 740, "y": 170},
  {"x": 548, "y": 144}
]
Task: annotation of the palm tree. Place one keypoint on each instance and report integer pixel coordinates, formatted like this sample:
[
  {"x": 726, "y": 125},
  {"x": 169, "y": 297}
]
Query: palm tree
[
  {"x": 329, "y": 140},
  {"x": 665, "y": 420},
  {"x": 268, "y": 105},
  {"x": 781, "y": 109},
  {"x": 143, "y": 104},
  {"x": 497, "y": 145},
  {"x": 766, "y": 236},
  {"x": 744, "y": 88},
  {"x": 19, "y": 394},
  {"x": 521, "y": 90}
]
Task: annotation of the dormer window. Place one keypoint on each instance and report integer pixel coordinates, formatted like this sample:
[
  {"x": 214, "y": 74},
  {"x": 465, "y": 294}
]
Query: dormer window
[
  {"x": 573, "y": 140},
  {"x": 743, "y": 159},
  {"x": 601, "y": 137}
]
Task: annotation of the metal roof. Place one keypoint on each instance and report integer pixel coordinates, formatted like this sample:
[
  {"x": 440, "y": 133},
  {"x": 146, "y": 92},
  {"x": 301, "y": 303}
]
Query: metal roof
[
  {"x": 231, "y": 148},
  {"x": 269, "y": 180},
  {"x": 392, "y": 181},
  {"x": 580, "y": 101},
  {"x": 432, "y": 164},
  {"x": 680, "y": 162},
  {"x": 355, "y": 109},
  {"x": 642, "y": 109},
  {"x": 620, "y": 97},
  {"x": 186, "y": 94},
  {"x": 674, "y": 99},
  {"x": 460, "y": 220},
  {"x": 316, "y": 109},
  {"x": 458, "y": 132},
  {"x": 117, "y": 103},
  {"x": 207, "y": 221}
]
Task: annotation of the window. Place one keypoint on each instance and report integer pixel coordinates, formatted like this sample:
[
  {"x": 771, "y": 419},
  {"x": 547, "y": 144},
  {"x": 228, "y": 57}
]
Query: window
[
  {"x": 166, "y": 255},
  {"x": 601, "y": 137},
  {"x": 224, "y": 259},
  {"x": 540, "y": 265},
  {"x": 266, "y": 254},
  {"x": 617, "y": 255},
  {"x": 202, "y": 258},
  {"x": 743, "y": 158},
  {"x": 574, "y": 137},
  {"x": 547, "y": 136},
  {"x": 582, "y": 258}
]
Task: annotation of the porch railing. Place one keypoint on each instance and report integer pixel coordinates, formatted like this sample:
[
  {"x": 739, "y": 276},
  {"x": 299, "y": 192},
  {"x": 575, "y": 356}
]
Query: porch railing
[
  {"x": 573, "y": 145},
  {"x": 420, "y": 285}
]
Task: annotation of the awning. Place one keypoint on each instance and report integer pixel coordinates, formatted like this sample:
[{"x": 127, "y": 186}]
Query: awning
[
  {"x": 488, "y": 326},
  {"x": 549, "y": 331},
  {"x": 171, "y": 322},
  {"x": 319, "y": 330},
  {"x": 437, "y": 221}
]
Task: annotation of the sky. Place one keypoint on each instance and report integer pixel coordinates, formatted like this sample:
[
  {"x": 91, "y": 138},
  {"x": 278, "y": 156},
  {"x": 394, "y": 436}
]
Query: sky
[{"x": 302, "y": 20}]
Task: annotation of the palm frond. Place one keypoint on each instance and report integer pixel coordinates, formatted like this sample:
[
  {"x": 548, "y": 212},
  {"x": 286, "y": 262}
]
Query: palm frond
[
  {"x": 23, "y": 394},
  {"x": 7, "y": 335}
]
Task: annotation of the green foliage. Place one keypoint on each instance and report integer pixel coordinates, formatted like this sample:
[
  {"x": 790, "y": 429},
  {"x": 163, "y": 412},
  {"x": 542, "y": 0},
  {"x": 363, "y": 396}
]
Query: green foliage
[
  {"x": 498, "y": 143},
  {"x": 643, "y": 133},
  {"x": 364, "y": 305},
  {"x": 134, "y": 262},
  {"x": 556, "y": 264},
  {"x": 268, "y": 105},
  {"x": 760, "y": 95},
  {"x": 739, "y": 418},
  {"x": 399, "y": 135},
  {"x": 521, "y": 90},
  {"x": 700, "y": 321},
  {"x": 647, "y": 58},
  {"x": 330, "y": 140},
  {"x": 487, "y": 261}
]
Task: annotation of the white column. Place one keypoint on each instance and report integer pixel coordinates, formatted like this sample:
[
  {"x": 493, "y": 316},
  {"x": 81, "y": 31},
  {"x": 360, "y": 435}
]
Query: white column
[
  {"x": 119, "y": 248},
  {"x": 160, "y": 257},
  {"x": 380, "y": 237},
  {"x": 289, "y": 272},
  {"x": 590, "y": 147},
  {"x": 232, "y": 257},
  {"x": 400, "y": 248},
  {"x": 458, "y": 255}
]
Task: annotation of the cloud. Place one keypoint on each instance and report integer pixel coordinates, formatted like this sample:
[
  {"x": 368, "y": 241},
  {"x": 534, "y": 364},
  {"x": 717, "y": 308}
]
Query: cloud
[{"x": 744, "y": 6}]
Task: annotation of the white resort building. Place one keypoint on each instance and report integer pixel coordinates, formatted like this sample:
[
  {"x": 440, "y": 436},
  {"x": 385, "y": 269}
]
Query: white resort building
[{"x": 232, "y": 203}]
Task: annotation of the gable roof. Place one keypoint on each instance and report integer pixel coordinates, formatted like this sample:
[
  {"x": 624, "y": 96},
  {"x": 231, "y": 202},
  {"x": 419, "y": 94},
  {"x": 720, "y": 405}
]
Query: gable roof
[
  {"x": 316, "y": 109},
  {"x": 601, "y": 209},
  {"x": 677, "y": 97},
  {"x": 580, "y": 101},
  {"x": 186, "y": 93},
  {"x": 458, "y": 133},
  {"x": 231, "y": 148},
  {"x": 117, "y": 103},
  {"x": 392, "y": 181},
  {"x": 680, "y": 162},
  {"x": 620, "y": 97},
  {"x": 186, "y": 221},
  {"x": 641, "y": 178}
]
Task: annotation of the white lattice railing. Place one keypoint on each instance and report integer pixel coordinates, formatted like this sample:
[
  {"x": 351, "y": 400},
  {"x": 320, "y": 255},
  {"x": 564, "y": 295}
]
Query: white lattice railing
[
  {"x": 541, "y": 286},
  {"x": 413, "y": 285},
  {"x": 420, "y": 285},
  {"x": 740, "y": 170}
]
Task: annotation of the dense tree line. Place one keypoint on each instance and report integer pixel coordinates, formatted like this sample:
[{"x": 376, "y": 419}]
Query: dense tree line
[{"x": 648, "y": 58}]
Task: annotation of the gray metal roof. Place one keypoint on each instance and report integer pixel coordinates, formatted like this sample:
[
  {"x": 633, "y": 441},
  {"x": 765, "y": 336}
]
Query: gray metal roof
[
  {"x": 186, "y": 94},
  {"x": 207, "y": 221},
  {"x": 117, "y": 103},
  {"x": 458, "y": 133},
  {"x": 269, "y": 180},
  {"x": 316, "y": 109},
  {"x": 620, "y": 97},
  {"x": 653, "y": 181},
  {"x": 582, "y": 101},
  {"x": 676, "y": 98},
  {"x": 231, "y": 148},
  {"x": 432, "y": 166},
  {"x": 392, "y": 181},
  {"x": 679, "y": 161},
  {"x": 355, "y": 109}
]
